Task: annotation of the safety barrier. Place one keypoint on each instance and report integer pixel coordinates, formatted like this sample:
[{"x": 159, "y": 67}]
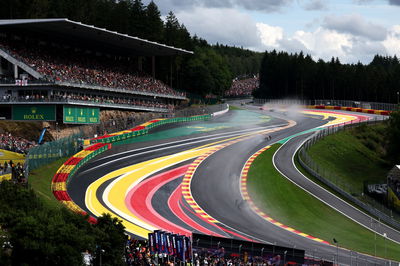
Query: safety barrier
[
  {"x": 68, "y": 169},
  {"x": 331, "y": 102},
  {"x": 346, "y": 192},
  {"x": 351, "y": 109},
  {"x": 143, "y": 129},
  {"x": 99, "y": 145},
  {"x": 5, "y": 177}
]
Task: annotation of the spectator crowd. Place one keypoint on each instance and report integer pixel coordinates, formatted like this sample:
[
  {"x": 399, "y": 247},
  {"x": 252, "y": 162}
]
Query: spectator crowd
[
  {"x": 138, "y": 252},
  {"x": 243, "y": 87},
  {"x": 15, "y": 144},
  {"x": 80, "y": 67},
  {"x": 65, "y": 97},
  {"x": 16, "y": 171}
]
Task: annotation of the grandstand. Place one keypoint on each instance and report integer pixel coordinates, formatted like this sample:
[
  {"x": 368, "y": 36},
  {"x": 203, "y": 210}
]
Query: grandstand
[
  {"x": 66, "y": 71},
  {"x": 243, "y": 87}
]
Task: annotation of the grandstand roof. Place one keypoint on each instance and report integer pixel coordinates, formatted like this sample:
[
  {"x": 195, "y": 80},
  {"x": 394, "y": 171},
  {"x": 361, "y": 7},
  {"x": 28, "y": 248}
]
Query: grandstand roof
[{"x": 62, "y": 27}]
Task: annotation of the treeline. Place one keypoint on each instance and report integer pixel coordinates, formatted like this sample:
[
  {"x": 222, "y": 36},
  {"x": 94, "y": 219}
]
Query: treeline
[
  {"x": 284, "y": 75},
  {"x": 209, "y": 71},
  {"x": 32, "y": 233}
]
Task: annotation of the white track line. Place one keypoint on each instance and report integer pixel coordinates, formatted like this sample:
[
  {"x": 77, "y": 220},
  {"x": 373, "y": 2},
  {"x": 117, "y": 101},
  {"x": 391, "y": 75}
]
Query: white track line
[
  {"x": 189, "y": 139},
  {"x": 165, "y": 148}
]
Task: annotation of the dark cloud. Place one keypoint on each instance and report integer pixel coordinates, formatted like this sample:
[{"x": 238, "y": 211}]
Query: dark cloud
[
  {"x": 316, "y": 5},
  {"x": 261, "y": 5},
  {"x": 394, "y": 2},
  {"x": 356, "y": 25}
]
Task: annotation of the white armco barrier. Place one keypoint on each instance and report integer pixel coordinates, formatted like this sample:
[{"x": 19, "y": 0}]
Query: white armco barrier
[{"x": 221, "y": 112}]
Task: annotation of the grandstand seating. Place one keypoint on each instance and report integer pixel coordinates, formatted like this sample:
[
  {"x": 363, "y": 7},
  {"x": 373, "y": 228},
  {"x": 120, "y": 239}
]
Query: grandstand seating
[
  {"x": 243, "y": 87},
  {"x": 69, "y": 97},
  {"x": 61, "y": 64}
]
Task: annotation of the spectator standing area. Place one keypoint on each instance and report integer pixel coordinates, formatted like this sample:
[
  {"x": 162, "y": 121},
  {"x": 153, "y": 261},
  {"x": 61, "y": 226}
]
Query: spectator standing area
[{"x": 66, "y": 71}]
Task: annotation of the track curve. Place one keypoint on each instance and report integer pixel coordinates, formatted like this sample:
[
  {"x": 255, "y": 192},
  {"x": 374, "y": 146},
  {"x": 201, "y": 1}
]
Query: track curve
[{"x": 146, "y": 184}]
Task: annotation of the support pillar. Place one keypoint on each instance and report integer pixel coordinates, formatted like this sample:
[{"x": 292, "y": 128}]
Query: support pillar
[
  {"x": 15, "y": 71},
  {"x": 153, "y": 66},
  {"x": 170, "y": 71},
  {"x": 140, "y": 63}
]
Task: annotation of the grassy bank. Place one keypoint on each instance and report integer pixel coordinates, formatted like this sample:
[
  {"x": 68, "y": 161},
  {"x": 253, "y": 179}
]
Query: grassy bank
[
  {"x": 40, "y": 181},
  {"x": 354, "y": 156},
  {"x": 232, "y": 107},
  {"x": 292, "y": 206}
]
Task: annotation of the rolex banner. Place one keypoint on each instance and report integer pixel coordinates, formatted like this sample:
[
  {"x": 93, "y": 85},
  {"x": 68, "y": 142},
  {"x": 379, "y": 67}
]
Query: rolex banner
[{"x": 34, "y": 112}]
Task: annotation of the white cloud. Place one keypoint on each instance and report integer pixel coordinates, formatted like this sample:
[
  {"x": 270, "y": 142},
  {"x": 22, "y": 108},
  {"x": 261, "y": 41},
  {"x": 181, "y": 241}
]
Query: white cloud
[
  {"x": 270, "y": 35},
  {"x": 392, "y": 43},
  {"x": 329, "y": 37},
  {"x": 324, "y": 43}
]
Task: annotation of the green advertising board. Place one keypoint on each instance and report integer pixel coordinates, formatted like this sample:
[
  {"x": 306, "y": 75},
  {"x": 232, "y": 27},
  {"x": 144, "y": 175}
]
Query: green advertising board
[
  {"x": 81, "y": 115},
  {"x": 34, "y": 112}
]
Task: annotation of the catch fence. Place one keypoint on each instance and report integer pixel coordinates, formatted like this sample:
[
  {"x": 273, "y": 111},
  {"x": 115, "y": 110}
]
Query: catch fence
[
  {"x": 353, "y": 194},
  {"x": 342, "y": 103}
]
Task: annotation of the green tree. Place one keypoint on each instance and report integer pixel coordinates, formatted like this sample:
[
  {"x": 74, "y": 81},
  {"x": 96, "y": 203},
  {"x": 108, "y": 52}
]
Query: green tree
[
  {"x": 137, "y": 18},
  {"x": 154, "y": 25},
  {"x": 207, "y": 72},
  {"x": 110, "y": 240}
]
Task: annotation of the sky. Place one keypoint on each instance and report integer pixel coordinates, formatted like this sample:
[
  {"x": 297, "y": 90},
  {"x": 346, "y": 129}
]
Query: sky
[{"x": 352, "y": 30}]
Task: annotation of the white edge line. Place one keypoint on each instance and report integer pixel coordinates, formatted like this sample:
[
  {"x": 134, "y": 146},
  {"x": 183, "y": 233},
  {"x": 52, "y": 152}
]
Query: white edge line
[
  {"x": 169, "y": 147},
  {"x": 273, "y": 161}
]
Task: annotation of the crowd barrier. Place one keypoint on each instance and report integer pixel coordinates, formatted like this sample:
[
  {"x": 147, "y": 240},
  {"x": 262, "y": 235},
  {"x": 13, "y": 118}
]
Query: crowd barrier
[
  {"x": 5, "y": 177},
  {"x": 97, "y": 146},
  {"x": 351, "y": 109},
  {"x": 330, "y": 179}
]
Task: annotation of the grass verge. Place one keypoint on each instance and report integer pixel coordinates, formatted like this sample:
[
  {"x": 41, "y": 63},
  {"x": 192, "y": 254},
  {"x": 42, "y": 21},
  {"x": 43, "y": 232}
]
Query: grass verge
[
  {"x": 40, "y": 182},
  {"x": 354, "y": 156},
  {"x": 231, "y": 107},
  {"x": 294, "y": 207}
]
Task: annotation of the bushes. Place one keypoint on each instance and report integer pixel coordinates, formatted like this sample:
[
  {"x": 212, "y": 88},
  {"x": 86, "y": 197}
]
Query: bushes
[{"x": 41, "y": 235}]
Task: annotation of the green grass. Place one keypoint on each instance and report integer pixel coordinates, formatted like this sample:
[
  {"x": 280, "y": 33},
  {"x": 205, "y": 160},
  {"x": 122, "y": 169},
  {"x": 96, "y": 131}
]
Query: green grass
[
  {"x": 354, "y": 156},
  {"x": 231, "y": 107},
  {"x": 40, "y": 182},
  {"x": 292, "y": 206}
]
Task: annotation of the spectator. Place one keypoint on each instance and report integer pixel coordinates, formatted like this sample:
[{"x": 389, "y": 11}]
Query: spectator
[
  {"x": 15, "y": 144},
  {"x": 67, "y": 65},
  {"x": 243, "y": 87}
]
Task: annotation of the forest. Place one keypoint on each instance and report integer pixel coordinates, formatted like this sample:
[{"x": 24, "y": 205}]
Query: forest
[
  {"x": 209, "y": 71},
  {"x": 284, "y": 75},
  {"x": 212, "y": 68}
]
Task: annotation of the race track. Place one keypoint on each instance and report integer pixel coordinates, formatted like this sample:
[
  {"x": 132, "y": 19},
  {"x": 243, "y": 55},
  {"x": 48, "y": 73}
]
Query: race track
[{"x": 186, "y": 178}]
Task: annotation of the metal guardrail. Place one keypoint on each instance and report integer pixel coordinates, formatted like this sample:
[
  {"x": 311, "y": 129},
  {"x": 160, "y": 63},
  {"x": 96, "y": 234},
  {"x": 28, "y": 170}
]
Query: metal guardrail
[
  {"x": 344, "y": 103},
  {"x": 333, "y": 182}
]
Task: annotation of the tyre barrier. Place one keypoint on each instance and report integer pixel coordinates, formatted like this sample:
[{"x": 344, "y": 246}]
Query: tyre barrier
[{"x": 351, "y": 109}]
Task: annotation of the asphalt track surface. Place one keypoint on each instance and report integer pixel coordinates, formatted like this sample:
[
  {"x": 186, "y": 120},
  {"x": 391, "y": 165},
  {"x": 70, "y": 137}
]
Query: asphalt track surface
[{"x": 215, "y": 185}]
